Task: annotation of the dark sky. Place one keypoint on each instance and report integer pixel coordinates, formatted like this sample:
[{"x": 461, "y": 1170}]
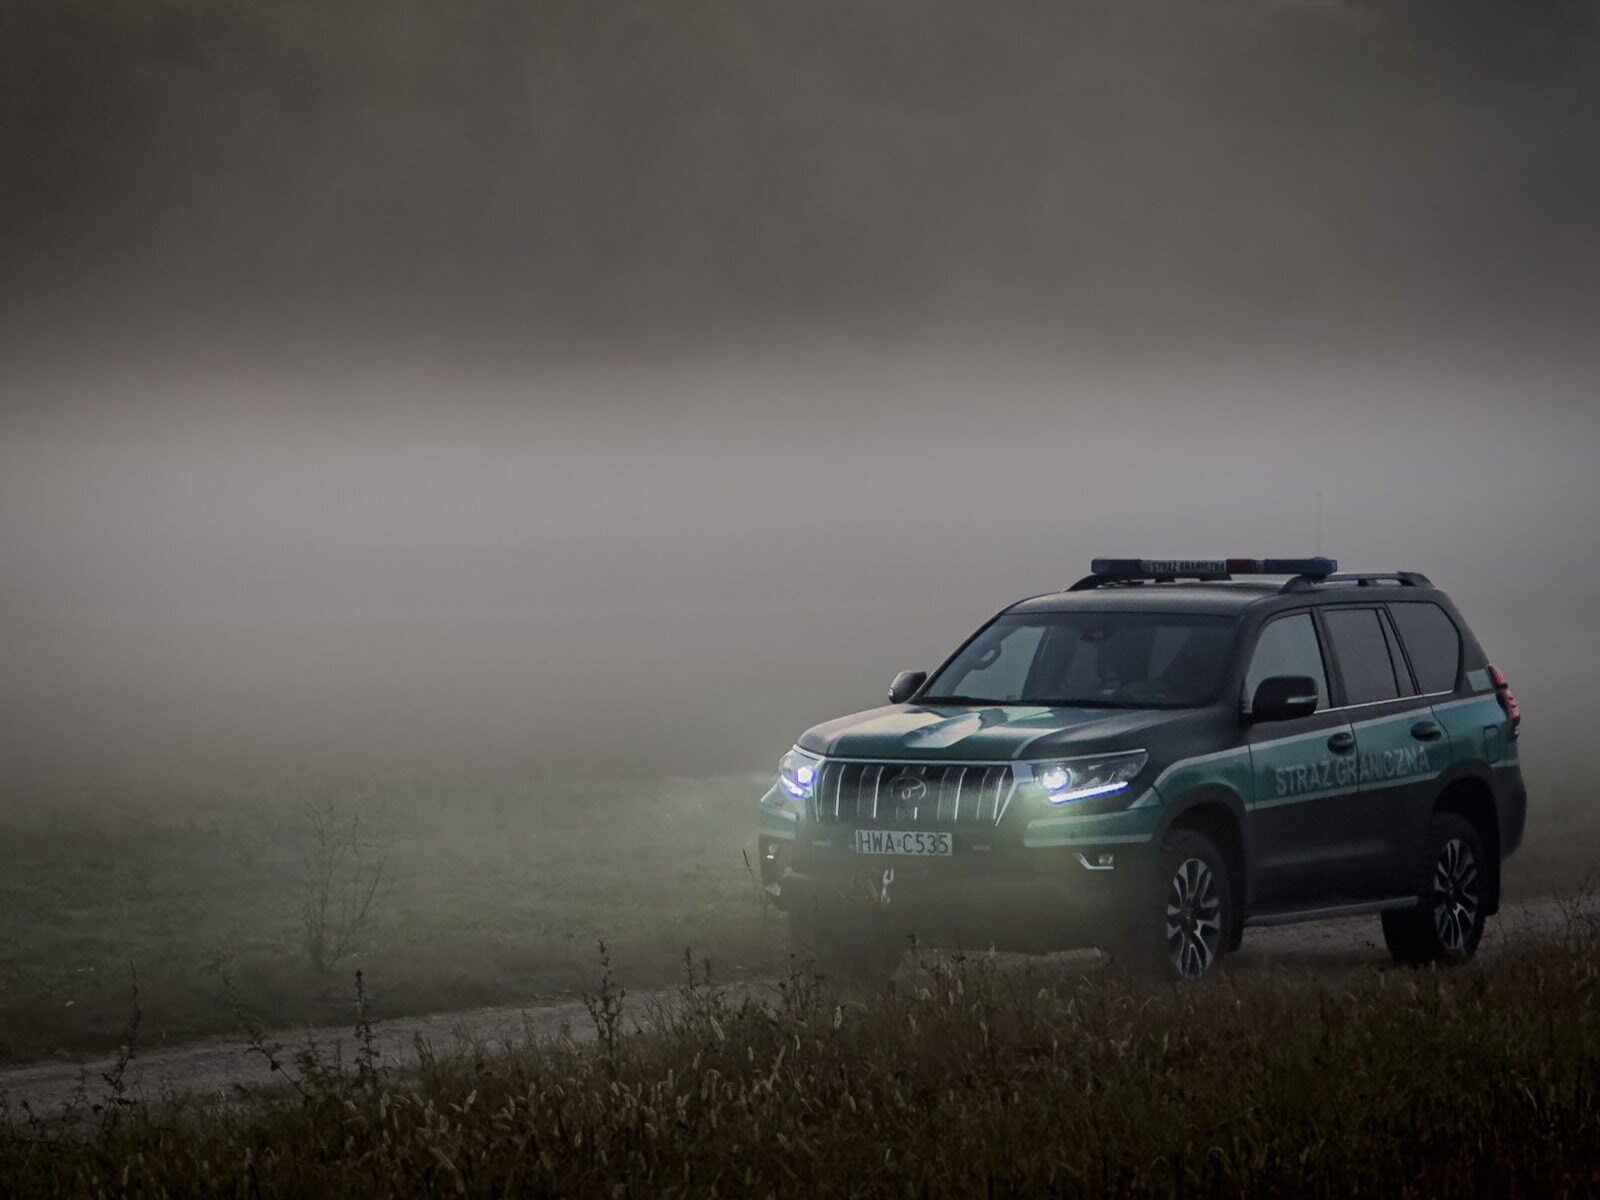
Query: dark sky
[
  {"x": 475, "y": 385},
  {"x": 517, "y": 178}
]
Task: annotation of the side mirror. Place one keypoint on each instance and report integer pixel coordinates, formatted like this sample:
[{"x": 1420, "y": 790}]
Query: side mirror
[
  {"x": 1283, "y": 698},
  {"x": 905, "y": 686}
]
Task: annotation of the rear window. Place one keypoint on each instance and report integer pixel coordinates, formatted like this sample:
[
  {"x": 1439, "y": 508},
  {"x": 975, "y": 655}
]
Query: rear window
[
  {"x": 1432, "y": 643},
  {"x": 1363, "y": 654}
]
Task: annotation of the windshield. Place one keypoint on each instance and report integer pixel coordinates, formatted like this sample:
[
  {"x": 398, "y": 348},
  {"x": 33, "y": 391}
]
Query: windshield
[{"x": 1095, "y": 659}]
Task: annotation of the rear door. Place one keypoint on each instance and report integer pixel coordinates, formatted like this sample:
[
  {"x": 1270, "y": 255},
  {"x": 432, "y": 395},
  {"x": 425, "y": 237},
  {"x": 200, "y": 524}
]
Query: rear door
[
  {"x": 1397, "y": 744},
  {"x": 1303, "y": 774},
  {"x": 1433, "y": 648}
]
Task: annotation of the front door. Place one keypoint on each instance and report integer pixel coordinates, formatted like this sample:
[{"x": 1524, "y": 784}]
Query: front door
[{"x": 1304, "y": 774}]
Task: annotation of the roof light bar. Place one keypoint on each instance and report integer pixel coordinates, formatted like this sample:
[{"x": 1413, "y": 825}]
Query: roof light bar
[{"x": 1161, "y": 568}]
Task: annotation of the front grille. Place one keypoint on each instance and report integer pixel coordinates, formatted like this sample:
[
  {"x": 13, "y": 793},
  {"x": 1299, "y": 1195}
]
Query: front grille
[{"x": 887, "y": 794}]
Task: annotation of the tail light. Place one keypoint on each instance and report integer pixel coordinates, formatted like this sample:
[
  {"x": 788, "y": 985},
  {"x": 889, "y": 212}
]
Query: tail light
[{"x": 1508, "y": 702}]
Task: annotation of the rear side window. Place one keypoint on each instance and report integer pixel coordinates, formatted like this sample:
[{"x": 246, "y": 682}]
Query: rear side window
[
  {"x": 1363, "y": 655},
  {"x": 1432, "y": 642},
  {"x": 1398, "y": 657},
  {"x": 1288, "y": 646}
]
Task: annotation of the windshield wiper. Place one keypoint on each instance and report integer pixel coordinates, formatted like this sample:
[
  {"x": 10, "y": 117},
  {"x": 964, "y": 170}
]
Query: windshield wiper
[
  {"x": 1096, "y": 704},
  {"x": 1029, "y": 703}
]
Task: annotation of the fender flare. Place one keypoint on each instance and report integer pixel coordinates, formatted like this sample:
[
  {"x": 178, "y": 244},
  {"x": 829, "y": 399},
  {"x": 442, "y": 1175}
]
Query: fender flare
[
  {"x": 1478, "y": 772},
  {"x": 1196, "y": 797},
  {"x": 1472, "y": 768},
  {"x": 1216, "y": 796}
]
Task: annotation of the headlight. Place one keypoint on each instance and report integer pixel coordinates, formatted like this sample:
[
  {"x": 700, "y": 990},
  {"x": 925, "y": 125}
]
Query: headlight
[
  {"x": 797, "y": 773},
  {"x": 1087, "y": 778}
]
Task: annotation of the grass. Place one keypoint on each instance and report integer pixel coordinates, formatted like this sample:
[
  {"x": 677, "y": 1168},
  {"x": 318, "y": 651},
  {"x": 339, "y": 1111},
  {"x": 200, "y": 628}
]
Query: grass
[
  {"x": 966, "y": 1080},
  {"x": 491, "y": 894}
]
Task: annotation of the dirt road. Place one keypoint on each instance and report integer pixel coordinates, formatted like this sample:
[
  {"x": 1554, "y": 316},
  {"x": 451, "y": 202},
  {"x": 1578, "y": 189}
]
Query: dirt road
[{"x": 222, "y": 1066}]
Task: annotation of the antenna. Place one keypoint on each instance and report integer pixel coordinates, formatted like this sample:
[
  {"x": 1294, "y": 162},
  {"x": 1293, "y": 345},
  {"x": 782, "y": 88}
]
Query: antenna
[{"x": 1319, "y": 522}]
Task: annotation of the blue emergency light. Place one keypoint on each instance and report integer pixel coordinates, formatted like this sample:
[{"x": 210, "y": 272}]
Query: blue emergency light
[{"x": 1211, "y": 568}]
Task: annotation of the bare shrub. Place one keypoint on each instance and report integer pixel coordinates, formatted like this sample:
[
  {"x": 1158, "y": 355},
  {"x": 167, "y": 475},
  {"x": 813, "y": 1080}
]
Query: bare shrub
[
  {"x": 344, "y": 876},
  {"x": 1580, "y": 906},
  {"x": 117, "y": 1096},
  {"x": 606, "y": 1007},
  {"x": 317, "y": 1073},
  {"x": 367, "y": 1056}
]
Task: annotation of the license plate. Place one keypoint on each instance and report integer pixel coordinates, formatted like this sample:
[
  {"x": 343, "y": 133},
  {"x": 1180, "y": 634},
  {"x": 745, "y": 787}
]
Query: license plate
[{"x": 916, "y": 844}]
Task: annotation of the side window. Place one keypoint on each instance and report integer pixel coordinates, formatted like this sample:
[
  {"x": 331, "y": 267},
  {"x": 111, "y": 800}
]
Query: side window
[
  {"x": 1432, "y": 642},
  {"x": 1397, "y": 656},
  {"x": 1362, "y": 653},
  {"x": 1003, "y": 669},
  {"x": 1288, "y": 646}
]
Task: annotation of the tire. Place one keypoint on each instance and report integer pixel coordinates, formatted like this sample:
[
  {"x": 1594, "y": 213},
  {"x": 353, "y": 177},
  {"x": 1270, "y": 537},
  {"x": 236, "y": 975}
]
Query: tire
[
  {"x": 846, "y": 942},
  {"x": 1187, "y": 921},
  {"x": 1447, "y": 924}
]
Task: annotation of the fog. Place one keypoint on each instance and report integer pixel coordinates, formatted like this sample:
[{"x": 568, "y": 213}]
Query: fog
[
  {"x": 548, "y": 389},
  {"x": 684, "y": 574}
]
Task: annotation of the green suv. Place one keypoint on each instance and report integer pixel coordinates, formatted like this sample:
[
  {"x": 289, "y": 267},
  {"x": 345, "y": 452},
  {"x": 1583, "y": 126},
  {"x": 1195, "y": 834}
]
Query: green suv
[{"x": 1154, "y": 759}]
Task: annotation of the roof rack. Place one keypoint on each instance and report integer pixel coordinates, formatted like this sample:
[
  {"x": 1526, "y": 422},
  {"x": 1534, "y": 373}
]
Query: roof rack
[
  {"x": 1303, "y": 583},
  {"x": 1106, "y": 571},
  {"x": 1104, "y": 579}
]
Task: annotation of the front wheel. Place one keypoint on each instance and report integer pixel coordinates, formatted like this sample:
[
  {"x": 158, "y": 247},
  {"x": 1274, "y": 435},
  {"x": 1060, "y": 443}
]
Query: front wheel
[
  {"x": 1447, "y": 923},
  {"x": 1182, "y": 929}
]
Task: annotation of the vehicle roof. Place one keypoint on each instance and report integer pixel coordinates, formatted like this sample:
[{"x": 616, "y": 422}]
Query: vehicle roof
[
  {"x": 1224, "y": 598},
  {"x": 1186, "y": 596}
]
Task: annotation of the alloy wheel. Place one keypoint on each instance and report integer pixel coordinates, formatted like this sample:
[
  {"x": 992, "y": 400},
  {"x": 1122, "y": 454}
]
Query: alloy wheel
[
  {"x": 1455, "y": 894},
  {"x": 1194, "y": 918}
]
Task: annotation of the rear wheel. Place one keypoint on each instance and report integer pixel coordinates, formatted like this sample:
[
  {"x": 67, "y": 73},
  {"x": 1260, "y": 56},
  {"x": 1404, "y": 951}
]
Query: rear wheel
[
  {"x": 1188, "y": 920},
  {"x": 1447, "y": 923},
  {"x": 847, "y": 942}
]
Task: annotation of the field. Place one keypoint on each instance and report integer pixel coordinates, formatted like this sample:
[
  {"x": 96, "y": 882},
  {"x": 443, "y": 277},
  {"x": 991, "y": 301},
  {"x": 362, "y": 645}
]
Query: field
[
  {"x": 1290, "y": 1074},
  {"x": 488, "y": 894},
  {"x": 962, "y": 1079}
]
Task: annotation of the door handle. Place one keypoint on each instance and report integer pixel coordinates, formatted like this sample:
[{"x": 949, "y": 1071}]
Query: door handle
[
  {"x": 1342, "y": 743},
  {"x": 1426, "y": 731}
]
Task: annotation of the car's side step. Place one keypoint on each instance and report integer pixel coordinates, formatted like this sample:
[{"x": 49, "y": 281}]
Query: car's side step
[{"x": 1292, "y": 916}]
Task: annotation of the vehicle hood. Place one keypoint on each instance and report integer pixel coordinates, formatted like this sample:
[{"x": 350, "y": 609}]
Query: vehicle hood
[{"x": 990, "y": 733}]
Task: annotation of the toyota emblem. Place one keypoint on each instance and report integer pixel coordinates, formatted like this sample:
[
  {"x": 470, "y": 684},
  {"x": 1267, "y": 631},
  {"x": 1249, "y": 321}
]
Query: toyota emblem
[{"x": 907, "y": 789}]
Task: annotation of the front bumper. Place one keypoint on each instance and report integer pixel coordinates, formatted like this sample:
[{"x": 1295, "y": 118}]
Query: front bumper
[{"x": 1039, "y": 884}]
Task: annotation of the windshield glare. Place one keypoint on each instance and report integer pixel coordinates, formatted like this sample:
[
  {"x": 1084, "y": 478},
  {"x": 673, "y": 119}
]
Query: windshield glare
[{"x": 1110, "y": 659}]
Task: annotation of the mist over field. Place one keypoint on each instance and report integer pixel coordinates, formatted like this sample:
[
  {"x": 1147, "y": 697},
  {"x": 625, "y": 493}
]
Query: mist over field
[
  {"x": 673, "y": 580},
  {"x": 494, "y": 389}
]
